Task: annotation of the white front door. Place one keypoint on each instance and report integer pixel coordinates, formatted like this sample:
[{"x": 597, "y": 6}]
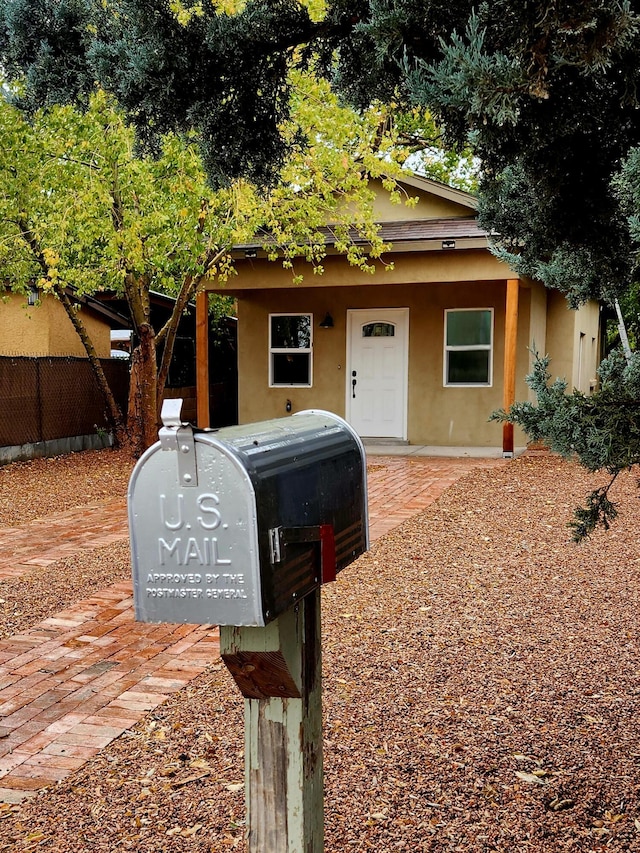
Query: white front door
[{"x": 377, "y": 358}]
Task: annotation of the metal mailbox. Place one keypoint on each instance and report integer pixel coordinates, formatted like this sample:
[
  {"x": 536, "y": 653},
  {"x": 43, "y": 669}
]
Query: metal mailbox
[{"x": 233, "y": 526}]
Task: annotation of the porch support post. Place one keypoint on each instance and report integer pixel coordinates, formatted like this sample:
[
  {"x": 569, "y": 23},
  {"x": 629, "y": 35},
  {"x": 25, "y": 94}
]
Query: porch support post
[
  {"x": 510, "y": 353},
  {"x": 202, "y": 358}
]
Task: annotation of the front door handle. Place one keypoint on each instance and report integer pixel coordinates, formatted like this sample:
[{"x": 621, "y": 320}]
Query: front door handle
[{"x": 354, "y": 382}]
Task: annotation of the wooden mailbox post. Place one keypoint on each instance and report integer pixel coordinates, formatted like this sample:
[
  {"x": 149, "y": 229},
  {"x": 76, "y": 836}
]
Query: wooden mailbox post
[
  {"x": 278, "y": 671},
  {"x": 240, "y": 527}
]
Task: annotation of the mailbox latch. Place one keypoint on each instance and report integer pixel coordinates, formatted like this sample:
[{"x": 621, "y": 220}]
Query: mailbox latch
[
  {"x": 280, "y": 537},
  {"x": 178, "y": 437}
]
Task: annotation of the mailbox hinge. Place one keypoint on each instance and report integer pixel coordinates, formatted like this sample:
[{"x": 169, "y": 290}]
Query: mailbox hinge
[
  {"x": 280, "y": 537},
  {"x": 178, "y": 436}
]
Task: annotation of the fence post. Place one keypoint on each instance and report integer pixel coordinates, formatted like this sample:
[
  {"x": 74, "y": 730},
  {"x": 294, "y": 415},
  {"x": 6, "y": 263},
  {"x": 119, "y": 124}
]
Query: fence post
[{"x": 39, "y": 401}]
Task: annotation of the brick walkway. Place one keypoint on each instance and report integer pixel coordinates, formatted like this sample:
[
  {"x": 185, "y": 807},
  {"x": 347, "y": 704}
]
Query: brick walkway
[{"x": 80, "y": 678}]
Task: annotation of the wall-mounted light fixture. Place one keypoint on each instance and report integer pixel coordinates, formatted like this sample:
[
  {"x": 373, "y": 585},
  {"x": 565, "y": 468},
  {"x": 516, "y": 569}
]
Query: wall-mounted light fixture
[
  {"x": 327, "y": 323},
  {"x": 448, "y": 244},
  {"x": 251, "y": 253},
  {"x": 33, "y": 295}
]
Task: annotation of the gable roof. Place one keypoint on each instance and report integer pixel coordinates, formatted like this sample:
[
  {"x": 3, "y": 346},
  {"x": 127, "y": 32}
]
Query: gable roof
[
  {"x": 440, "y": 190},
  {"x": 461, "y": 231}
]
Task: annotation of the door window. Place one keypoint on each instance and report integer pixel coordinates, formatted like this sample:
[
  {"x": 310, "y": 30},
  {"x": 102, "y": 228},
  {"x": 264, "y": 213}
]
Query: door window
[{"x": 378, "y": 330}]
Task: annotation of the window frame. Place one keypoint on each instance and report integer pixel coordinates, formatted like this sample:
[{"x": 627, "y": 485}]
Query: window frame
[
  {"x": 467, "y": 348},
  {"x": 284, "y": 350}
]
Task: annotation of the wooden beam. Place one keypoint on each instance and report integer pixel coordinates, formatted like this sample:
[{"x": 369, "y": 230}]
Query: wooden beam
[
  {"x": 202, "y": 359},
  {"x": 510, "y": 358},
  {"x": 283, "y": 728}
]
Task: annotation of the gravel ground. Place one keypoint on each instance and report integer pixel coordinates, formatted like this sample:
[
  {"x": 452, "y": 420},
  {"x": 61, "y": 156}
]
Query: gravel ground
[
  {"x": 27, "y": 600},
  {"x": 30, "y": 490},
  {"x": 482, "y": 690}
]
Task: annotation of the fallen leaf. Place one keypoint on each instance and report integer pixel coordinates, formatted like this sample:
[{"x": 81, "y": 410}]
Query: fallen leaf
[
  {"x": 558, "y": 805},
  {"x": 180, "y": 783},
  {"x": 234, "y": 786},
  {"x": 590, "y": 719},
  {"x": 529, "y": 777}
]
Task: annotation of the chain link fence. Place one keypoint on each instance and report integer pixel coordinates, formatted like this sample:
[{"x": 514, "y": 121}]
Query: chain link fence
[{"x": 43, "y": 399}]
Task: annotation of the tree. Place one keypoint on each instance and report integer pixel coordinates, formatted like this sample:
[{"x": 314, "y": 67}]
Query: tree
[
  {"x": 527, "y": 83},
  {"x": 79, "y": 208},
  {"x": 218, "y": 70},
  {"x": 601, "y": 429},
  {"x": 547, "y": 93}
]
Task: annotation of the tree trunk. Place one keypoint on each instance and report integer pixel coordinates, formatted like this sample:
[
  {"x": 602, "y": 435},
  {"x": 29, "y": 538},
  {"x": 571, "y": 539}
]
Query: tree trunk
[
  {"x": 168, "y": 333},
  {"x": 113, "y": 409},
  {"x": 142, "y": 417}
]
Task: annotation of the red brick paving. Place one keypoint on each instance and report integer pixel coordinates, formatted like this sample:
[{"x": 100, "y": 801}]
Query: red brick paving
[
  {"x": 82, "y": 677},
  {"x": 401, "y": 486}
]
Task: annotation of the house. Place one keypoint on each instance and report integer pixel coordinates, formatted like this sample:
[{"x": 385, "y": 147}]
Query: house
[
  {"x": 421, "y": 353},
  {"x": 44, "y": 329}
]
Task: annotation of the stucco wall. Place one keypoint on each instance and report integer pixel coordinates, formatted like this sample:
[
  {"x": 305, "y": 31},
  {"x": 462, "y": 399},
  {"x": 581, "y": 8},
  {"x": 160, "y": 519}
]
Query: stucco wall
[
  {"x": 435, "y": 266},
  {"x": 436, "y": 415},
  {"x": 45, "y": 329},
  {"x": 429, "y": 206},
  {"x": 561, "y": 322},
  {"x": 586, "y": 347}
]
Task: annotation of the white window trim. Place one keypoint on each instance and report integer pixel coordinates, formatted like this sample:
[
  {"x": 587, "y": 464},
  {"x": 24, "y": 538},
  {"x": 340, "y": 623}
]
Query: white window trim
[
  {"x": 298, "y": 350},
  {"x": 448, "y": 349}
]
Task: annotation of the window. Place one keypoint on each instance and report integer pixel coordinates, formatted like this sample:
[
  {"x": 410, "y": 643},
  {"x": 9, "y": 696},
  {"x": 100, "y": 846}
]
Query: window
[
  {"x": 290, "y": 341},
  {"x": 468, "y": 346},
  {"x": 378, "y": 330}
]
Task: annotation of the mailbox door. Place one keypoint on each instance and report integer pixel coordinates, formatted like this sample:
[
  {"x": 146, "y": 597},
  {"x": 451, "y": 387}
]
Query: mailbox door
[{"x": 194, "y": 547}]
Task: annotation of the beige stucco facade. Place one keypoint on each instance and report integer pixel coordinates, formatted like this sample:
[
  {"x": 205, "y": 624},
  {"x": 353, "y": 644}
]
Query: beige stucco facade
[
  {"x": 45, "y": 329},
  {"x": 429, "y": 278}
]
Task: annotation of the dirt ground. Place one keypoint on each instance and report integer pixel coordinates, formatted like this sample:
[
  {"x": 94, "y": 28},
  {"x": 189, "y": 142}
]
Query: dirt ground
[{"x": 481, "y": 689}]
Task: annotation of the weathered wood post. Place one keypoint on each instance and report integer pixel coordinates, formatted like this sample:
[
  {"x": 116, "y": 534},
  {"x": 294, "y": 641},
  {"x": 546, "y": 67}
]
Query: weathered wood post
[
  {"x": 239, "y": 528},
  {"x": 278, "y": 670}
]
